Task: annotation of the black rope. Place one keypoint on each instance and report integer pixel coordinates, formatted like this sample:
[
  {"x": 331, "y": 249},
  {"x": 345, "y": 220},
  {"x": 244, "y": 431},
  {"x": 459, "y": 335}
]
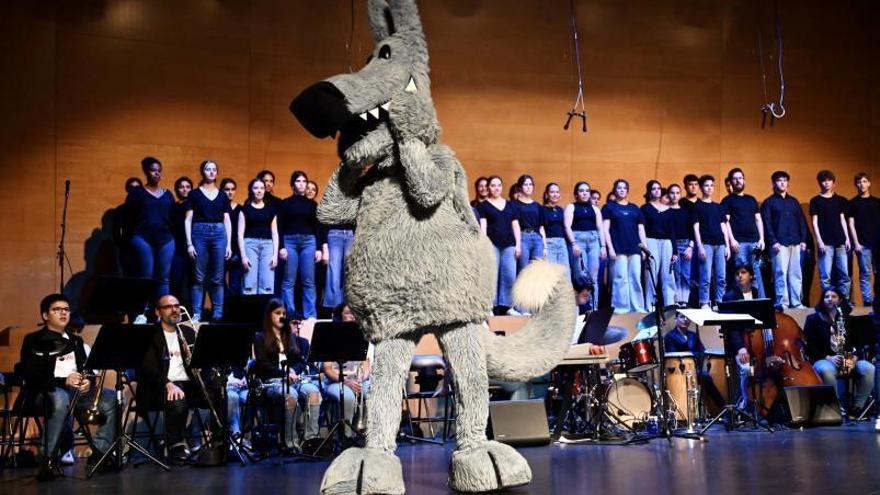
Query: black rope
[
  {"x": 350, "y": 42},
  {"x": 577, "y": 109},
  {"x": 772, "y": 109}
]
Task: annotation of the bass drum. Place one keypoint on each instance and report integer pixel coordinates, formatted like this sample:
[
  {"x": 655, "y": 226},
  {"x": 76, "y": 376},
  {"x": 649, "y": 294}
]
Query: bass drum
[{"x": 629, "y": 400}]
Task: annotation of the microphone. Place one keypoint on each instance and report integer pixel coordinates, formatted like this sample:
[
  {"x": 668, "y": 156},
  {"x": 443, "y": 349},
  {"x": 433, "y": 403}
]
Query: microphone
[{"x": 67, "y": 187}]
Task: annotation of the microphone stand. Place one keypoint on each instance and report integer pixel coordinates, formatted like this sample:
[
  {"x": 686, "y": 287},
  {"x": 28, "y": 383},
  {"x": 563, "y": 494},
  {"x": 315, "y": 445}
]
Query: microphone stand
[{"x": 61, "y": 253}]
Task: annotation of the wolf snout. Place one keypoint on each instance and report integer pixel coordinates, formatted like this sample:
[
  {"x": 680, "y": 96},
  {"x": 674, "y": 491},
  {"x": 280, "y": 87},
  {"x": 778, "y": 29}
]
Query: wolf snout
[{"x": 321, "y": 109}]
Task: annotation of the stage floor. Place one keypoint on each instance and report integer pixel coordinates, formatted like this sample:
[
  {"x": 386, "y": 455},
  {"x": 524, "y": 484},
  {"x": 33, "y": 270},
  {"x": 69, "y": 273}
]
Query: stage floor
[{"x": 842, "y": 459}]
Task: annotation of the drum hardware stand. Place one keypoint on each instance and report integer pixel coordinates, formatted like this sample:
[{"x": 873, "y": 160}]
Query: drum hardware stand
[{"x": 665, "y": 431}]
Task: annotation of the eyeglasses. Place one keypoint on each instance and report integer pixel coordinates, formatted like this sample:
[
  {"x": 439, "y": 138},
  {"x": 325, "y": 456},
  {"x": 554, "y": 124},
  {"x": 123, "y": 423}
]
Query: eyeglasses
[
  {"x": 169, "y": 306},
  {"x": 60, "y": 310}
]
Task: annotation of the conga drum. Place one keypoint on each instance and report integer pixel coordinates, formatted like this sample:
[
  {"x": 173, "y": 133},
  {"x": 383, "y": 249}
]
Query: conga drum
[
  {"x": 714, "y": 364},
  {"x": 680, "y": 365}
]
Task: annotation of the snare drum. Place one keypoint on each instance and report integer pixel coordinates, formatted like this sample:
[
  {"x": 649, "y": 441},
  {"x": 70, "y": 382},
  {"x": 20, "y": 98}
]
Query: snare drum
[
  {"x": 629, "y": 400},
  {"x": 715, "y": 365},
  {"x": 638, "y": 356},
  {"x": 678, "y": 365}
]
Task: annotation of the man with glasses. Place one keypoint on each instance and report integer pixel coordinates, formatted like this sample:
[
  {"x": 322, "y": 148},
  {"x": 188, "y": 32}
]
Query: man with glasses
[
  {"x": 53, "y": 380},
  {"x": 745, "y": 227}
]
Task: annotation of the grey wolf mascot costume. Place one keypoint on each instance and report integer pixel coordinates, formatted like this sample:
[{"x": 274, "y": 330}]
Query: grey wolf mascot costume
[{"x": 419, "y": 263}]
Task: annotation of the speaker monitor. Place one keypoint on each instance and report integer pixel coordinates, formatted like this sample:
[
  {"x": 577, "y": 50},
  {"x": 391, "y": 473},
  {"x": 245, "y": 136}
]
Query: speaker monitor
[
  {"x": 519, "y": 423},
  {"x": 813, "y": 405}
]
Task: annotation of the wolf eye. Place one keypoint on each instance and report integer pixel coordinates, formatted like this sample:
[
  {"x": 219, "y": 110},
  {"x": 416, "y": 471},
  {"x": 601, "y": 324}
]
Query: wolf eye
[{"x": 385, "y": 52}]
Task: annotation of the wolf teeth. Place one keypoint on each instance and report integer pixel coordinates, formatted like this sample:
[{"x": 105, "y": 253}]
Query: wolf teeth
[
  {"x": 375, "y": 112},
  {"x": 385, "y": 106},
  {"x": 411, "y": 86},
  {"x": 363, "y": 115}
]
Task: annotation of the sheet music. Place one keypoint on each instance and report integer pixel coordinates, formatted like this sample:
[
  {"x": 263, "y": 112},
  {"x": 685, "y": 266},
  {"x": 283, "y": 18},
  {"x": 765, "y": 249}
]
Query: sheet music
[{"x": 708, "y": 317}]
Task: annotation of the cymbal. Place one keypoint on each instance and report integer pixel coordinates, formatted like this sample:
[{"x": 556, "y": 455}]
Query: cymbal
[
  {"x": 612, "y": 335},
  {"x": 647, "y": 326},
  {"x": 53, "y": 345}
]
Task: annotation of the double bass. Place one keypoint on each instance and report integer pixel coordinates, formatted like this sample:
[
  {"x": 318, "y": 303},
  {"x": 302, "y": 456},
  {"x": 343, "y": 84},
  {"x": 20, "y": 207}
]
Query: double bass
[{"x": 778, "y": 360}]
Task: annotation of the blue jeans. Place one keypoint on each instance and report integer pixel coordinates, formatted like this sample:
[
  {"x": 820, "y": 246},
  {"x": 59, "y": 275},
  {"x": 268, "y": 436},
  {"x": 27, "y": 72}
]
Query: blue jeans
[
  {"x": 713, "y": 267},
  {"x": 834, "y": 257},
  {"x": 209, "y": 241},
  {"x": 557, "y": 252},
  {"x": 59, "y": 400},
  {"x": 235, "y": 400},
  {"x": 532, "y": 249},
  {"x": 312, "y": 408},
  {"x": 588, "y": 263},
  {"x": 863, "y": 374},
  {"x": 681, "y": 272},
  {"x": 506, "y": 275},
  {"x": 338, "y": 245},
  {"x": 154, "y": 261},
  {"x": 260, "y": 279},
  {"x": 866, "y": 268},
  {"x": 661, "y": 250},
  {"x": 746, "y": 256},
  {"x": 331, "y": 393},
  {"x": 300, "y": 261},
  {"x": 788, "y": 276},
  {"x": 626, "y": 288},
  {"x": 275, "y": 395}
]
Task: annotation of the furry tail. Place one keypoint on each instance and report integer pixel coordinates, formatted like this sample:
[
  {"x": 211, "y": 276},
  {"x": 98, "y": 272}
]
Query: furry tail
[{"x": 537, "y": 348}]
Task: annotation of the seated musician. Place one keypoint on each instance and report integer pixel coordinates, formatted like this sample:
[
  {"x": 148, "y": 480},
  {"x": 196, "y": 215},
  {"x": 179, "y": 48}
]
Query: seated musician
[
  {"x": 830, "y": 354},
  {"x": 734, "y": 344},
  {"x": 279, "y": 347},
  {"x": 56, "y": 380},
  {"x": 357, "y": 377},
  {"x": 164, "y": 380},
  {"x": 682, "y": 339},
  {"x": 236, "y": 398}
]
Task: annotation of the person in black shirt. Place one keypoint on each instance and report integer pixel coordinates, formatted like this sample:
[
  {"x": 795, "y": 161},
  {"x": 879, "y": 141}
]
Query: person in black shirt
[
  {"x": 711, "y": 239},
  {"x": 181, "y": 264},
  {"x": 481, "y": 190},
  {"x": 828, "y": 212},
  {"x": 554, "y": 227},
  {"x": 123, "y": 227},
  {"x": 624, "y": 227},
  {"x": 268, "y": 178},
  {"x": 209, "y": 240},
  {"x": 498, "y": 221},
  {"x": 682, "y": 225},
  {"x": 829, "y": 351},
  {"x": 233, "y": 275},
  {"x": 786, "y": 234},
  {"x": 312, "y": 190},
  {"x": 584, "y": 230},
  {"x": 660, "y": 239},
  {"x": 682, "y": 339},
  {"x": 532, "y": 236},
  {"x": 734, "y": 342},
  {"x": 745, "y": 227},
  {"x": 298, "y": 227},
  {"x": 152, "y": 240},
  {"x": 863, "y": 214},
  {"x": 257, "y": 238}
]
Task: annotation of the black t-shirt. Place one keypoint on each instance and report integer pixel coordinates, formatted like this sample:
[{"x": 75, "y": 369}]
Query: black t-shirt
[
  {"x": 529, "y": 215},
  {"x": 258, "y": 221},
  {"x": 828, "y": 211},
  {"x": 584, "y": 218},
  {"x": 657, "y": 223},
  {"x": 554, "y": 223},
  {"x": 178, "y": 230},
  {"x": 151, "y": 215},
  {"x": 297, "y": 215},
  {"x": 499, "y": 223},
  {"x": 742, "y": 210},
  {"x": 207, "y": 210},
  {"x": 624, "y": 223},
  {"x": 711, "y": 215},
  {"x": 866, "y": 215},
  {"x": 681, "y": 222},
  {"x": 233, "y": 222}
]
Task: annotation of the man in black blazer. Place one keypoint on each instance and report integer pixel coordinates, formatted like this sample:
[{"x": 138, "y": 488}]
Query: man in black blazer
[
  {"x": 734, "y": 344},
  {"x": 52, "y": 381}
]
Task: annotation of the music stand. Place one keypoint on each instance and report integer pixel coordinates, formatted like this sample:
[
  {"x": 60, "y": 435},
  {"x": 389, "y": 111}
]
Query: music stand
[
  {"x": 222, "y": 347},
  {"x": 338, "y": 342},
  {"x": 116, "y": 296},
  {"x": 761, "y": 310},
  {"x": 593, "y": 331},
  {"x": 246, "y": 309},
  {"x": 119, "y": 347}
]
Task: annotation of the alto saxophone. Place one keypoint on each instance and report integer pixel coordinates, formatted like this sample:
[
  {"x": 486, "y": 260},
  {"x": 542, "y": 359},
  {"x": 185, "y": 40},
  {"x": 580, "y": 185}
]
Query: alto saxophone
[
  {"x": 362, "y": 411},
  {"x": 838, "y": 343}
]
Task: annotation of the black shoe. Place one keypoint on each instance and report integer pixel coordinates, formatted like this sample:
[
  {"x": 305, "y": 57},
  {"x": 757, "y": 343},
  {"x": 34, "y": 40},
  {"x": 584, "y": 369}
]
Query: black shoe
[
  {"x": 95, "y": 457},
  {"x": 178, "y": 455},
  {"x": 856, "y": 412}
]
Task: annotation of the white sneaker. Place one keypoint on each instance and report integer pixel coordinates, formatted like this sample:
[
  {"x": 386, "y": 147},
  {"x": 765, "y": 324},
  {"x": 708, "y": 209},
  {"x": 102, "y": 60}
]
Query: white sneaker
[
  {"x": 67, "y": 459},
  {"x": 140, "y": 320},
  {"x": 705, "y": 306},
  {"x": 513, "y": 312},
  {"x": 877, "y": 425}
]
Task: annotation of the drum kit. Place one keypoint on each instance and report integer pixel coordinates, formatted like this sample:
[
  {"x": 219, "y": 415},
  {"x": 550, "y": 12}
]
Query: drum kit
[{"x": 623, "y": 400}]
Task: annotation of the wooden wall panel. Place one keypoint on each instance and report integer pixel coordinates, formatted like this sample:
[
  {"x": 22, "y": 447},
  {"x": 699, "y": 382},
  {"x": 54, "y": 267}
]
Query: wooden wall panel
[{"x": 89, "y": 88}]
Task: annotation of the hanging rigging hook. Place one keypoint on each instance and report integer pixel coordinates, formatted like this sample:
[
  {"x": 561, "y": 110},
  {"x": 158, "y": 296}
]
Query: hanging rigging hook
[
  {"x": 577, "y": 109},
  {"x": 775, "y": 109}
]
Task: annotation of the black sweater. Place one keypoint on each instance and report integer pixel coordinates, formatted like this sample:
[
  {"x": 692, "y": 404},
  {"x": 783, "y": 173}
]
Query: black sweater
[
  {"x": 266, "y": 361},
  {"x": 39, "y": 372}
]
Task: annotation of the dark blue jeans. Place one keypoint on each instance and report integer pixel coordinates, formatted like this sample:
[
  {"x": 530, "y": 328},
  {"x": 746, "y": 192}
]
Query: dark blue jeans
[
  {"x": 154, "y": 261},
  {"x": 300, "y": 262},
  {"x": 209, "y": 241}
]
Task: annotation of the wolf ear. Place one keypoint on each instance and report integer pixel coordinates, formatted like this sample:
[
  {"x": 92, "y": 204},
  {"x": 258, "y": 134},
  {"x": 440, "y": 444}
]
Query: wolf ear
[{"x": 390, "y": 16}]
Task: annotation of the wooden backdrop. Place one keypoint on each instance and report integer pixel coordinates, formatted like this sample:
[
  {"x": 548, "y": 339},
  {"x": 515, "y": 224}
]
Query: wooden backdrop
[{"x": 89, "y": 87}]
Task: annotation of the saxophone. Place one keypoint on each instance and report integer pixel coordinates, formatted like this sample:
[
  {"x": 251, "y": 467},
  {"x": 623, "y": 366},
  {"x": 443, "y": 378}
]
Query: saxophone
[{"x": 838, "y": 345}]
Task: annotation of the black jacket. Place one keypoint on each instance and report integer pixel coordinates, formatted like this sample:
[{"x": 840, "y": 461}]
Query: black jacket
[
  {"x": 39, "y": 372},
  {"x": 266, "y": 361},
  {"x": 152, "y": 375},
  {"x": 817, "y": 333},
  {"x": 734, "y": 340}
]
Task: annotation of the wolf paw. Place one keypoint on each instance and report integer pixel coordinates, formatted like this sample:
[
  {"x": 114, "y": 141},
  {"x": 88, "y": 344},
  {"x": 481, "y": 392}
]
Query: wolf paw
[
  {"x": 363, "y": 472},
  {"x": 489, "y": 467}
]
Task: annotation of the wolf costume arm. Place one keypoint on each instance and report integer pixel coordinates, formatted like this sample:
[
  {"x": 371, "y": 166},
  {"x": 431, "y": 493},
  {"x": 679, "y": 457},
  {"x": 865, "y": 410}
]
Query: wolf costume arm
[{"x": 341, "y": 200}]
